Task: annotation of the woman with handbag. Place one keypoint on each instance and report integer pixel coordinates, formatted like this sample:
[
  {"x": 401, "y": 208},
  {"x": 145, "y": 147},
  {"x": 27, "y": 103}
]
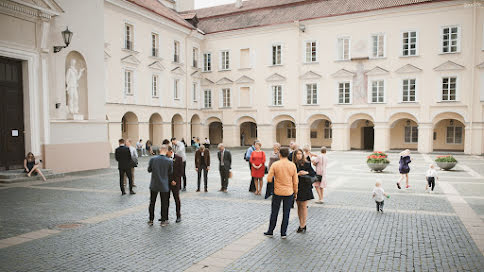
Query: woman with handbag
[
  {"x": 306, "y": 176},
  {"x": 257, "y": 161}
]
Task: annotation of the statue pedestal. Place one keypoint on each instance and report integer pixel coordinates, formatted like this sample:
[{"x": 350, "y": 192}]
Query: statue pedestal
[{"x": 76, "y": 116}]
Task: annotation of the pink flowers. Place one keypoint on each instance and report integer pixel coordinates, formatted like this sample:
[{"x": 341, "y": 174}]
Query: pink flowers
[{"x": 377, "y": 157}]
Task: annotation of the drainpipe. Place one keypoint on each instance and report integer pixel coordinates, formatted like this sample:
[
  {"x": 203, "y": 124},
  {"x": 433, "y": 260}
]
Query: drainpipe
[
  {"x": 186, "y": 84},
  {"x": 473, "y": 72},
  {"x": 299, "y": 64}
]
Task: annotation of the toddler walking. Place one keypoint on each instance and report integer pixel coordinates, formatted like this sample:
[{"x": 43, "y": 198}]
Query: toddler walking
[
  {"x": 431, "y": 176},
  {"x": 379, "y": 196}
]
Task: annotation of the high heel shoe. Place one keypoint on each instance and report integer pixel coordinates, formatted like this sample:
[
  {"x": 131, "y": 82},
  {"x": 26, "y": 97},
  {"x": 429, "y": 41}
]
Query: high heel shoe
[
  {"x": 299, "y": 230},
  {"x": 304, "y": 229}
]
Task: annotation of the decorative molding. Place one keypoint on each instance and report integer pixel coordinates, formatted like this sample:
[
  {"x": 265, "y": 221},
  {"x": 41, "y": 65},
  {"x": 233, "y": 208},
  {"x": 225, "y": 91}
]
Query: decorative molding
[
  {"x": 244, "y": 80},
  {"x": 377, "y": 71},
  {"x": 275, "y": 78},
  {"x": 206, "y": 82},
  {"x": 178, "y": 71},
  {"x": 408, "y": 69},
  {"x": 343, "y": 73},
  {"x": 224, "y": 81},
  {"x": 157, "y": 66},
  {"x": 310, "y": 75},
  {"x": 106, "y": 55},
  {"x": 449, "y": 66},
  {"x": 45, "y": 9},
  {"x": 130, "y": 59}
]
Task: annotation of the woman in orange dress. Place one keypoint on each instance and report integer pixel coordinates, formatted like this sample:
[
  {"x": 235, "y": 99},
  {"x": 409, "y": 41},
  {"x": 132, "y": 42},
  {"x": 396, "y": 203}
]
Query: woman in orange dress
[{"x": 258, "y": 160}]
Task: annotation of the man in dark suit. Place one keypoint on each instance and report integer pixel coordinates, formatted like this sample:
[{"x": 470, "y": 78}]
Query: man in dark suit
[
  {"x": 225, "y": 160},
  {"x": 202, "y": 164},
  {"x": 160, "y": 167},
  {"x": 175, "y": 180},
  {"x": 125, "y": 163}
]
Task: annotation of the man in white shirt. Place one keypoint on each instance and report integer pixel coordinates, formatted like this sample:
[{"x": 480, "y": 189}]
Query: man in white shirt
[
  {"x": 134, "y": 158},
  {"x": 431, "y": 176},
  {"x": 179, "y": 149}
]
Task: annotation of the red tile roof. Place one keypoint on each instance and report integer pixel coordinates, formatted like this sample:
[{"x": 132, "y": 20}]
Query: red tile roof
[
  {"x": 254, "y": 13},
  {"x": 160, "y": 9}
]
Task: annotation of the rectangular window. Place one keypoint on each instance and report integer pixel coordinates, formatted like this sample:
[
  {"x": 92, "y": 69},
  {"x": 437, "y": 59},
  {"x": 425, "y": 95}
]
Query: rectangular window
[
  {"x": 314, "y": 134},
  {"x": 449, "y": 88},
  {"x": 176, "y": 86},
  {"x": 344, "y": 93},
  {"x": 409, "y": 43},
  {"x": 378, "y": 46},
  {"x": 195, "y": 57},
  {"x": 207, "y": 62},
  {"x": 176, "y": 51},
  {"x": 311, "y": 51},
  {"x": 245, "y": 58},
  {"x": 450, "y": 39},
  {"x": 377, "y": 91},
  {"x": 154, "y": 86},
  {"x": 194, "y": 92},
  {"x": 411, "y": 134},
  {"x": 328, "y": 131},
  {"x": 225, "y": 60},
  {"x": 207, "y": 94},
  {"x": 344, "y": 48},
  {"x": 244, "y": 97},
  {"x": 277, "y": 95},
  {"x": 311, "y": 94},
  {"x": 154, "y": 45},
  {"x": 291, "y": 131},
  {"x": 454, "y": 135},
  {"x": 277, "y": 54},
  {"x": 226, "y": 97},
  {"x": 408, "y": 92},
  {"x": 128, "y": 37},
  {"x": 128, "y": 82}
]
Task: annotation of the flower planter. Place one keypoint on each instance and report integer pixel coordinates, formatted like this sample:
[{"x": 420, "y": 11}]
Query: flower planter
[
  {"x": 377, "y": 167},
  {"x": 446, "y": 165}
]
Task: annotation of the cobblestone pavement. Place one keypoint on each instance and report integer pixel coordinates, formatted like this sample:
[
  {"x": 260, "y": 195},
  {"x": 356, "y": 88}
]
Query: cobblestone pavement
[{"x": 81, "y": 222}]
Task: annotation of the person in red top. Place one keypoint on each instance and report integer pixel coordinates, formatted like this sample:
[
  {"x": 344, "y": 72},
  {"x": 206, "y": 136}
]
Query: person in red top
[{"x": 258, "y": 160}]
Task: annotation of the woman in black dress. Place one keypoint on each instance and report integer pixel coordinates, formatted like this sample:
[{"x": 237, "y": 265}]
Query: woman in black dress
[
  {"x": 305, "y": 187},
  {"x": 403, "y": 168},
  {"x": 31, "y": 166}
]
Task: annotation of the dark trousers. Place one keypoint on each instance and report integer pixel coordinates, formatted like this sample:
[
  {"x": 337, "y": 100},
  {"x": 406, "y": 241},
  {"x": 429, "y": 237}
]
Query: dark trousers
[
  {"x": 379, "y": 206},
  {"x": 205, "y": 176},
  {"x": 184, "y": 177},
  {"x": 224, "y": 177},
  {"x": 431, "y": 182},
  {"x": 286, "y": 209},
  {"x": 252, "y": 183},
  {"x": 175, "y": 190},
  {"x": 165, "y": 204},
  {"x": 128, "y": 173}
]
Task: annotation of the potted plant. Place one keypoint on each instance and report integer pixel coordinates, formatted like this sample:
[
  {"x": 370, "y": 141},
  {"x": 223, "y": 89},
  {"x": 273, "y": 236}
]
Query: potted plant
[
  {"x": 377, "y": 161},
  {"x": 446, "y": 162}
]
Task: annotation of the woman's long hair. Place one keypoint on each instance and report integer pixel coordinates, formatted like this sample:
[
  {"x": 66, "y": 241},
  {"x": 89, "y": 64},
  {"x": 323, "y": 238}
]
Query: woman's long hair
[
  {"x": 28, "y": 155},
  {"x": 300, "y": 162}
]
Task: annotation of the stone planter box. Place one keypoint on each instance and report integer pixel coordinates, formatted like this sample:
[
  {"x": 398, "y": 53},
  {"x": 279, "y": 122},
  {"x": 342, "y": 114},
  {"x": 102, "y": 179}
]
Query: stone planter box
[
  {"x": 446, "y": 165},
  {"x": 377, "y": 167}
]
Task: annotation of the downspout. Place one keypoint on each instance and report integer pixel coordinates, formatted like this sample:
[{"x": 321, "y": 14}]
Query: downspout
[
  {"x": 473, "y": 71},
  {"x": 186, "y": 85},
  {"x": 299, "y": 64}
]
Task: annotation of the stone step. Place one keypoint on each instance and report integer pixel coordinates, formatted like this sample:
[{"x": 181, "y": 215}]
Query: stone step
[{"x": 18, "y": 175}]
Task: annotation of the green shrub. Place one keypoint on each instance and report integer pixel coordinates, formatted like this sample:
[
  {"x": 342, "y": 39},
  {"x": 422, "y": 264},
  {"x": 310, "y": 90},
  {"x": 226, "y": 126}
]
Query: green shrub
[{"x": 377, "y": 157}]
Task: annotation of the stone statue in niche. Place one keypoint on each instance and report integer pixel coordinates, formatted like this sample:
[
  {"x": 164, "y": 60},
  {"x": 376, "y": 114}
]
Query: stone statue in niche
[
  {"x": 360, "y": 87},
  {"x": 72, "y": 85}
]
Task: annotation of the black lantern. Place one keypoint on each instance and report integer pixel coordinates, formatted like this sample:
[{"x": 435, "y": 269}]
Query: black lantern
[
  {"x": 408, "y": 122},
  {"x": 67, "y": 36}
]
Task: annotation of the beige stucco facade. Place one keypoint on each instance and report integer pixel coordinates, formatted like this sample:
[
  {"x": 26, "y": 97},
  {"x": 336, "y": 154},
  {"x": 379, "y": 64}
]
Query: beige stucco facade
[{"x": 251, "y": 75}]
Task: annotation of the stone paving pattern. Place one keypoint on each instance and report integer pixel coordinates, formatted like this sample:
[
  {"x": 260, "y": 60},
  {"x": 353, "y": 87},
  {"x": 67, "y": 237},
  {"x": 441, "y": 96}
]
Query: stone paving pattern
[{"x": 417, "y": 232}]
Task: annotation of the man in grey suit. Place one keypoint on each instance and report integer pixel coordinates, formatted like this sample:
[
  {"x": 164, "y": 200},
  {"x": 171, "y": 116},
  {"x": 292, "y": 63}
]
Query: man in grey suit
[
  {"x": 225, "y": 164},
  {"x": 160, "y": 167}
]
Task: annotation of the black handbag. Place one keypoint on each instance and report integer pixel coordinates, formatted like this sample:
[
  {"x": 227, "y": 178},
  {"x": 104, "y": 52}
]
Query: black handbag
[{"x": 266, "y": 170}]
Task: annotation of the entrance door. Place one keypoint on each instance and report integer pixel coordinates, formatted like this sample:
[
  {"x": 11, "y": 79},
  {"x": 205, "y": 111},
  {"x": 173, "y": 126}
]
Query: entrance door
[
  {"x": 368, "y": 138},
  {"x": 12, "y": 142}
]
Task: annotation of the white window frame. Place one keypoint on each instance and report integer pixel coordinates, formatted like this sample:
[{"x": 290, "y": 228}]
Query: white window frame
[
  {"x": 350, "y": 91},
  {"x": 276, "y": 98},
  {"x": 155, "y": 87},
  {"x": 373, "y": 54},
  {"x": 402, "y": 88},
  {"x": 207, "y": 104},
  {"x": 227, "y": 60},
  {"x": 176, "y": 51},
  {"x": 125, "y": 40},
  {"x": 311, "y": 93},
  {"x": 249, "y": 66},
  {"x": 131, "y": 71},
  {"x": 327, "y": 130},
  {"x": 442, "y": 88},
  {"x": 370, "y": 91},
  {"x": 195, "y": 56},
  {"x": 272, "y": 54},
  {"x": 338, "y": 56},
  {"x": 194, "y": 91},
  {"x": 207, "y": 62},
  {"x": 442, "y": 39},
  {"x": 412, "y": 129},
  {"x": 157, "y": 44},
  {"x": 305, "y": 57},
  {"x": 453, "y": 136},
  {"x": 416, "y": 43},
  {"x": 291, "y": 127},
  {"x": 226, "y": 101},
  {"x": 176, "y": 89}
]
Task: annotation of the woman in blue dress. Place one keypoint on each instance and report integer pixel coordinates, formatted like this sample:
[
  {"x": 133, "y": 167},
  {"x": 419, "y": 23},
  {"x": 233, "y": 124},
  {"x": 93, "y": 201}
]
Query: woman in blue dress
[{"x": 404, "y": 168}]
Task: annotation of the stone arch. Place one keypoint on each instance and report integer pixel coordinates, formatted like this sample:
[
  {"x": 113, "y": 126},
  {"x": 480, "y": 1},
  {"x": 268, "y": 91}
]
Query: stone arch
[
  {"x": 356, "y": 116},
  {"x": 362, "y": 134},
  {"x": 130, "y": 126},
  {"x": 247, "y": 130},
  {"x": 448, "y": 115},
  {"x": 320, "y": 130},
  {"x": 448, "y": 132},
  {"x": 284, "y": 129},
  {"x": 177, "y": 126},
  {"x": 82, "y": 88},
  {"x": 195, "y": 126},
  {"x": 399, "y": 116},
  {"x": 156, "y": 129}
]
